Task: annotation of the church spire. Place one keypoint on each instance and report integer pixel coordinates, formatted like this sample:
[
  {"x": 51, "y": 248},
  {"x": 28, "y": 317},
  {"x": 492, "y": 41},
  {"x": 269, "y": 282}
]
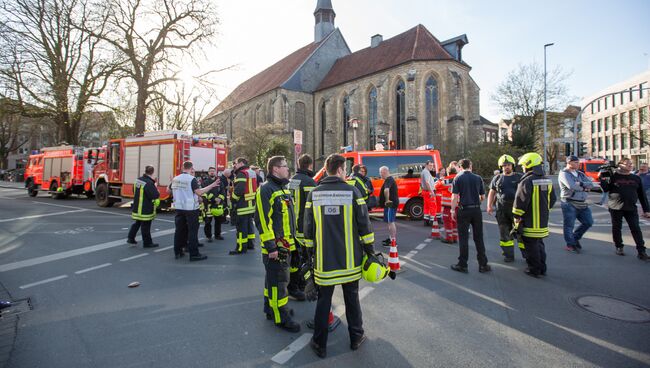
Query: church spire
[{"x": 324, "y": 15}]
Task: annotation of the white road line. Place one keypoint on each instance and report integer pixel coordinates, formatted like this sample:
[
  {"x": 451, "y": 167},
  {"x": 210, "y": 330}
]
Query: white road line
[
  {"x": 98, "y": 211},
  {"x": 414, "y": 261},
  {"x": 439, "y": 266},
  {"x": 428, "y": 240},
  {"x": 163, "y": 249},
  {"x": 93, "y": 268},
  {"x": 71, "y": 253},
  {"x": 411, "y": 254},
  {"x": 287, "y": 353},
  {"x": 134, "y": 257},
  {"x": 44, "y": 281},
  {"x": 232, "y": 230},
  {"x": 41, "y": 215},
  {"x": 421, "y": 246}
]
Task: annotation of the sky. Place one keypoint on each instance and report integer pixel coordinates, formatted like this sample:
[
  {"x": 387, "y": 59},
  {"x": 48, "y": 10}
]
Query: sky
[{"x": 599, "y": 42}]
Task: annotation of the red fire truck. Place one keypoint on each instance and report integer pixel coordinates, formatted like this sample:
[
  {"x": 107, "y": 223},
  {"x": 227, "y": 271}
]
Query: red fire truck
[
  {"x": 61, "y": 171},
  {"x": 124, "y": 160},
  {"x": 404, "y": 165},
  {"x": 590, "y": 167}
]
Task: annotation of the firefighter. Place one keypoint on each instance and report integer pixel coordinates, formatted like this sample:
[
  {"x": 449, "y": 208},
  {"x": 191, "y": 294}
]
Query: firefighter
[
  {"x": 444, "y": 188},
  {"x": 214, "y": 198},
  {"x": 533, "y": 201},
  {"x": 502, "y": 193},
  {"x": 428, "y": 193},
  {"x": 300, "y": 185},
  {"x": 338, "y": 234},
  {"x": 243, "y": 198},
  {"x": 145, "y": 200},
  {"x": 359, "y": 181},
  {"x": 275, "y": 219}
]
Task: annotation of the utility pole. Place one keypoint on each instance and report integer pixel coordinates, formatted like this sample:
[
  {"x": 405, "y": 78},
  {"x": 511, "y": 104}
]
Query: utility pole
[{"x": 546, "y": 165}]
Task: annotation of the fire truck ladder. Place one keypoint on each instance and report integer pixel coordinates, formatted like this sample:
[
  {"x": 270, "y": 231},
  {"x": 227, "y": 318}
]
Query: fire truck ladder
[{"x": 185, "y": 150}]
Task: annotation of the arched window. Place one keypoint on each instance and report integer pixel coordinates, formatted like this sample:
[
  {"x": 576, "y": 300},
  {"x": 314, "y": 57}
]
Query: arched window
[
  {"x": 400, "y": 114},
  {"x": 432, "y": 120},
  {"x": 346, "y": 118},
  {"x": 323, "y": 127},
  {"x": 372, "y": 118}
]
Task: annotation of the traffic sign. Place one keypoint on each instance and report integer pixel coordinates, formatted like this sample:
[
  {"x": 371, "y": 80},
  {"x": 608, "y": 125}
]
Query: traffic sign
[
  {"x": 297, "y": 136},
  {"x": 298, "y": 148}
]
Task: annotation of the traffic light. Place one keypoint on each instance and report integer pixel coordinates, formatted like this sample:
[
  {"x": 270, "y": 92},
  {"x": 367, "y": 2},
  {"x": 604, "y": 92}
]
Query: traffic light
[
  {"x": 582, "y": 149},
  {"x": 567, "y": 149},
  {"x": 392, "y": 145}
]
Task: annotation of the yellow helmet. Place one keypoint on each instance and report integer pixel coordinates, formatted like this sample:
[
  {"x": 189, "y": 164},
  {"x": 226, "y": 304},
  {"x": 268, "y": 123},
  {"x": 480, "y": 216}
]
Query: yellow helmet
[
  {"x": 530, "y": 160},
  {"x": 506, "y": 159},
  {"x": 217, "y": 211},
  {"x": 374, "y": 269}
]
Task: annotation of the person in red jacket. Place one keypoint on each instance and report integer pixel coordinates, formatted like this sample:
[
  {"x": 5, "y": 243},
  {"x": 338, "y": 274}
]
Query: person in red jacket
[{"x": 444, "y": 188}]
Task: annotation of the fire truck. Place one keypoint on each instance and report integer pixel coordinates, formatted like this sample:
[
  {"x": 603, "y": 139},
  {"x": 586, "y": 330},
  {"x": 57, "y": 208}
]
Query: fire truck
[
  {"x": 590, "y": 167},
  {"x": 61, "y": 171},
  {"x": 123, "y": 160},
  {"x": 404, "y": 165}
]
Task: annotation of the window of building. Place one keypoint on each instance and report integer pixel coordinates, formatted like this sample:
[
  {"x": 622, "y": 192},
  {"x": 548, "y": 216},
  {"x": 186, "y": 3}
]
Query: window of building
[
  {"x": 323, "y": 127},
  {"x": 624, "y": 141},
  {"x": 606, "y": 102},
  {"x": 631, "y": 95},
  {"x": 622, "y": 98},
  {"x": 433, "y": 123},
  {"x": 600, "y": 143},
  {"x": 614, "y": 121},
  {"x": 623, "y": 120},
  {"x": 613, "y": 100},
  {"x": 593, "y": 126},
  {"x": 634, "y": 140},
  {"x": 372, "y": 118},
  {"x": 600, "y": 125},
  {"x": 346, "y": 118},
  {"x": 643, "y": 115},
  {"x": 400, "y": 114},
  {"x": 592, "y": 107},
  {"x": 598, "y": 105},
  {"x": 615, "y": 141},
  {"x": 641, "y": 87},
  {"x": 633, "y": 120},
  {"x": 593, "y": 145},
  {"x": 607, "y": 125},
  {"x": 608, "y": 141}
]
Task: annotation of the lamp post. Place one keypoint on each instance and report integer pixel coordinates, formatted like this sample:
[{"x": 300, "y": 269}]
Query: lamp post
[
  {"x": 354, "y": 124},
  {"x": 546, "y": 167}
]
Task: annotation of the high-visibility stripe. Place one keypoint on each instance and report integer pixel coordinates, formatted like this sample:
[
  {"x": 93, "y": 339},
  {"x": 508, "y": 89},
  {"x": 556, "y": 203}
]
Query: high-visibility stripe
[
  {"x": 361, "y": 202},
  {"x": 309, "y": 243},
  {"x": 238, "y": 180},
  {"x": 296, "y": 205},
  {"x": 319, "y": 237},
  {"x": 266, "y": 231},
  {"x": 308, "y": 205},
  {"x": 517, "y": 211},
  {"x": 550, "y": 189},
  {"x": 338, "y": 280},
  {"x": 368, "y": 238},
  {"x": 273, "y": 303},
  {"x": 349, "y": 239},
  {"x": 509, "y": 243},
  {"x": 336, "y": 273},
  {"x": 308, "y": 189},
  {"x": 535, "y": 203}
]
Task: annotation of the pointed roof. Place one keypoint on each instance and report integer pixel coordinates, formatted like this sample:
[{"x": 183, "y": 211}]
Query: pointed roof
[
  {"x": 270, "y": 78},
  {"x": 415, "y": 44},
  {"x": 324, "y": 5}
]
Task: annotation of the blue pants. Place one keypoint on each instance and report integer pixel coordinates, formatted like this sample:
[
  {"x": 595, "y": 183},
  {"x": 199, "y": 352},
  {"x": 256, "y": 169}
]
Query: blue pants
[{"x": 571, "y": 214}]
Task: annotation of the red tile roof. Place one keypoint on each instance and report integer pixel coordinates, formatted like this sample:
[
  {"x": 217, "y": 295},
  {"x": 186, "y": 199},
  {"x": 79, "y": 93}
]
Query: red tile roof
[
  {"x": 267, "y": 80},
  {"x": 415, "y": 44}
]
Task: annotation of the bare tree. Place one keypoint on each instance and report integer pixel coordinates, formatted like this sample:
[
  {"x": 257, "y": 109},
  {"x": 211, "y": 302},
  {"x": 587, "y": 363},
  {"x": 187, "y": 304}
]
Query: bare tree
[
  {"x": 51, "y": 61},
  {"x": 152, "y": 36},
  {"x": 521, "y": 97},
  {"x": 259, "y": 144},
  {"x": 13, "y": 133}
]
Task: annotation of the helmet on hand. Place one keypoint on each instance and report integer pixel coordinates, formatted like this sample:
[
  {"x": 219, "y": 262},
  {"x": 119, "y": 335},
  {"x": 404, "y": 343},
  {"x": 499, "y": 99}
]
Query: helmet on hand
[
  {"x": 217, "y": 211},
  {"x": 373, "y": 267},
  {"x": 506, "y": 159},
  {"x": 530, "y": 160}
]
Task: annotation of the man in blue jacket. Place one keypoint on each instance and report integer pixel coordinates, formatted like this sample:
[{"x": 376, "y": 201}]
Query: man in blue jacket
[{"x": 574, "y": 188}]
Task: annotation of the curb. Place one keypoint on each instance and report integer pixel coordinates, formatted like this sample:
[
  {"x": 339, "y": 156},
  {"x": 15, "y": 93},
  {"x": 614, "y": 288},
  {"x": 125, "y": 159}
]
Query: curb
[{"x": 8, "y": 330}]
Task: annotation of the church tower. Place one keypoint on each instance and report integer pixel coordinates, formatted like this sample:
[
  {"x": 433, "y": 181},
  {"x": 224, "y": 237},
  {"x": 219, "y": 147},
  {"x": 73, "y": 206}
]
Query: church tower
[{"x": 324, "y": 15}]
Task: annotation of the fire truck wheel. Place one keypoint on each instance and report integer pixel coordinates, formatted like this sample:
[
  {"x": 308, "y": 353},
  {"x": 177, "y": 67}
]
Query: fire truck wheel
[
  {"x": 31, "y": 189},
  {"x": 414, "y": 209},
  {"x": 101, "y": 196}
]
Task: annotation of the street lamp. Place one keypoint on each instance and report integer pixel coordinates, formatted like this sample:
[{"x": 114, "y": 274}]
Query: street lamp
[
  {"x": 354, "y": 124},
  {"x": 546, "y": 167}
]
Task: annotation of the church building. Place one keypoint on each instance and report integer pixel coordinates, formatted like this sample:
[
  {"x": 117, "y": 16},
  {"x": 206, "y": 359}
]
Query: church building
[{"x": 411, "y": 89}]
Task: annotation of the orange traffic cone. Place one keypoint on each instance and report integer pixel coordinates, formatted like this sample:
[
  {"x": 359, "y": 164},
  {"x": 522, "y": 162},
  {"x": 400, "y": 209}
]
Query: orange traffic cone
[
  {"x": 393, "y": 257},
  {"x": 435, "y": 229}
]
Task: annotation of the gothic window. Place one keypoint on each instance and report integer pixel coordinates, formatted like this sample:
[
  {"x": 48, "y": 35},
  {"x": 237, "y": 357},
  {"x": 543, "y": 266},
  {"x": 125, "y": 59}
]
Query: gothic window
[
  {"x": 432, "y": 121},
  {"x": 323, "y": 127},
  {"x": 372, "y": 117},
  {"x": 400, "y": 114},
  {"x": 346, "y": 118}
]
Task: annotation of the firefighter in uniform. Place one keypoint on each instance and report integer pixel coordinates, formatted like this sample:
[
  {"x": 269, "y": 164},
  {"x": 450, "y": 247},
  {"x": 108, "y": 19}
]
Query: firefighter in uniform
[
  {"x": 215, "y": 198},
  {"x": 337, "y": 233},
  {"x": 533, "y": 201},
  {"x": 145, "y": 200},
  {"x": 300, "y": 185},
  {"x": 428, "y": 193},
  {"x": 502, "y": 193},
  {"x": 444, "y": 188},
  {"x": 275, "y": 219},
  {"x": 243, "y": 198}
]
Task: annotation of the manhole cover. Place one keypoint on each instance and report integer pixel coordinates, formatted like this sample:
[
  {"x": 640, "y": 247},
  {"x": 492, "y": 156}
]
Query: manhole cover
[{"x": 614, "y": 308}]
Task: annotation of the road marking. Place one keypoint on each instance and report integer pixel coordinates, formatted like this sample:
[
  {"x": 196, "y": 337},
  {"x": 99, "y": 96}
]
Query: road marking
[
  {"x": 421, "y": 246},
  {"x": 93, "y": 268},
  {"x": 411, "y": 254},
  {"x": 163, "y": 249},
  {"x": 428, "y": 240},
  {"x": 439, "y": 266},
  {"x": 98, "y": 211},
  {"x": 287, "y": 353},
  {"x": 232, "y": 230},
  {"x": 71, "y": 253},
  {"x": 421, "y": 264},
  {"x": 44, "y": 281},
  {"x": 134, "y": 257},
  {"x": 41, "y": 215}
]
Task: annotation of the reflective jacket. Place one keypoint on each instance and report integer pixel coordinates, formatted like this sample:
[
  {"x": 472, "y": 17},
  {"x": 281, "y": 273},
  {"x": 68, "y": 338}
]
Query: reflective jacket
[
  {"x": 443, "y": 188},
  {"x": 301, "y": 185},
  {"x": 218, "y": 192},
  {"x": 533, "y": 202},
  {"x": 144, "y": 194},
  {"x": 243, "y": 195},
  {"x": 275, "y": 214},
  {"x": 337, "y": 226},
  {"x": 360, "y": 184}
]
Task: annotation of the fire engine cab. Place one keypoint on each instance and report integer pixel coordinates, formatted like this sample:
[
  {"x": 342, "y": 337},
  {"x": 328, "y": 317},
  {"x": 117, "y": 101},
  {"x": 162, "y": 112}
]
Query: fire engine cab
[
  {"x": 404, "y": 165},
  {"x": 61, "y": 171},
  {"x": 124, "y": 160},
  {"x": 590, "y": 166}
]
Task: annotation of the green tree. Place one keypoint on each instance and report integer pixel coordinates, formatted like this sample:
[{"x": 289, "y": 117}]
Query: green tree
[{"x": 485, "y": 157}]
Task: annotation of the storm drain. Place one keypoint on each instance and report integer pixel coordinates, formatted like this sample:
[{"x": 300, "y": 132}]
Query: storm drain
[
  {"x": 18, "y": 307},
  {"x": 613, "y": 308}
]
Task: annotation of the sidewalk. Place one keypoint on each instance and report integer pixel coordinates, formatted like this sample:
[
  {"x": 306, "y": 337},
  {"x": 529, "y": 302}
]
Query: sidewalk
[
  {"x": 12, "y": 185},
  {"x": 8, "y": 328}
]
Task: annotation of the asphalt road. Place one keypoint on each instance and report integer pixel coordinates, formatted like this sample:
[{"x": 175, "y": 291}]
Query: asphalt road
[{"x": 70, "y": 259}]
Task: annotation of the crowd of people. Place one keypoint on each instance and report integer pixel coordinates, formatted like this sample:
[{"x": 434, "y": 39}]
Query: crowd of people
[{"x": 316, "y": 235}]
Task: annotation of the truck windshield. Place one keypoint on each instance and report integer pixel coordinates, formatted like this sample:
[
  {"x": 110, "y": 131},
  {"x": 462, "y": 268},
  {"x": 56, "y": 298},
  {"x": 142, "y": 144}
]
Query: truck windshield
[
  {"x": 593, "y": 167},
  {"x": 407, "y": 166}
]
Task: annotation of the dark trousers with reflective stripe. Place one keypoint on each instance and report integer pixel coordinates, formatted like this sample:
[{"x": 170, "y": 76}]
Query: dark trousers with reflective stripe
[
  {"x": 207, "y": 229},
  {"x": 187, "y": 231},
  {"x": 505, "y": 219},
  {"x": 146, "y": 231},
  {"x": 276, "y": 295},
  {"x": 535, "y": 255},
  {"x": 465, "y": 218},
  {"x": 295, "y": 281},
  {"x": 352, "y": 312},
  {"x": 244, "y": 230}
]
